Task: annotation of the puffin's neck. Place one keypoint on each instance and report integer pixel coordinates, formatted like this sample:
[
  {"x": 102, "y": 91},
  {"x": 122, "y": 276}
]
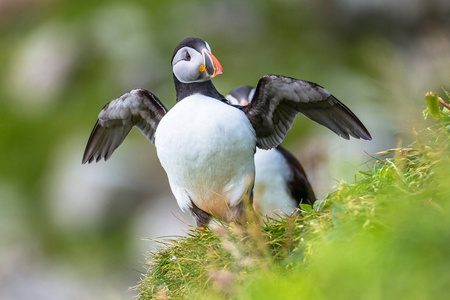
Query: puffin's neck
[{"x": 205, "y": 88}]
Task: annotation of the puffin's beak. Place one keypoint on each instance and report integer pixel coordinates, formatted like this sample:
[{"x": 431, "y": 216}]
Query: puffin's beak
[{"x": 211, "y": 64}]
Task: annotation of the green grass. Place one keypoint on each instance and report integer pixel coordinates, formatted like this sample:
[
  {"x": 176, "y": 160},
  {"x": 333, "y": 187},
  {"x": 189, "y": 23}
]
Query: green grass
[{"x": 385, "y": 236}]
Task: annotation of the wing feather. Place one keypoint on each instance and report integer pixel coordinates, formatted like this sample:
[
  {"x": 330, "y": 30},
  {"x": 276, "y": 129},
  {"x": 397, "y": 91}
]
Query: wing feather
[
  {"x": 138, "y": 108},
  {"x": 278, "y": 99}
]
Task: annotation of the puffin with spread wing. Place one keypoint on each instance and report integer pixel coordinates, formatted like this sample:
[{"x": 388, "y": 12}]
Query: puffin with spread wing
[{"x": 207, "y": 146}]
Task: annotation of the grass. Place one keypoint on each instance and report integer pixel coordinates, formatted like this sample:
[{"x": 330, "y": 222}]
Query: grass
[{"x": 385, "y": 236}]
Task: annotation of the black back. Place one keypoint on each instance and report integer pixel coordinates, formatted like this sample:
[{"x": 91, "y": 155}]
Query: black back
[{"x": 300, "y": 187}]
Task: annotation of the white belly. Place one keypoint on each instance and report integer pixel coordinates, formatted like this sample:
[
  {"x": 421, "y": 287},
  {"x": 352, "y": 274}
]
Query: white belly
[
  {"x": 271, "y": 195},
  {"x": 206, "y": 148}
]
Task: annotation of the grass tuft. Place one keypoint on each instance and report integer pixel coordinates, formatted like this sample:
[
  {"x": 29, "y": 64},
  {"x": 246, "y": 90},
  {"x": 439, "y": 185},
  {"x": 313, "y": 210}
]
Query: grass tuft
[{"x": 385, "y": 236}]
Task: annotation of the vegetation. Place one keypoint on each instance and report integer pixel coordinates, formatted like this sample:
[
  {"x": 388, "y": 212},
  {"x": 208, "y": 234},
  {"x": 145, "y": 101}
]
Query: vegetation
[{"x": 384, "y": 236}]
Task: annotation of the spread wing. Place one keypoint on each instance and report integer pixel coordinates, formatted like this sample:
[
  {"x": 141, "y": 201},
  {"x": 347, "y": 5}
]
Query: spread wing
[
  {"x": 278, "y": 99},
  {"x": 138, "y": 108}
]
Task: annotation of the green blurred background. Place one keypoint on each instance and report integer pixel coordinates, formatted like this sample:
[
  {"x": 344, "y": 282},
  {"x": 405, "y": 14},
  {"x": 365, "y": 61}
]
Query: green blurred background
[{"x": 69, "y": 231}]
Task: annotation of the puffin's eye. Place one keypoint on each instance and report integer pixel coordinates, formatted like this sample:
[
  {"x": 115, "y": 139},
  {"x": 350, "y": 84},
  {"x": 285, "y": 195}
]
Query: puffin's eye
[{"x": 187, "y": 56}]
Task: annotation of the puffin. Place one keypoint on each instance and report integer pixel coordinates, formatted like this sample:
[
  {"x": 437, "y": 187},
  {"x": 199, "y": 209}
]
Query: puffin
[
  {"x": 205, "y": 145},
  {"x": 281, "y": 184}
]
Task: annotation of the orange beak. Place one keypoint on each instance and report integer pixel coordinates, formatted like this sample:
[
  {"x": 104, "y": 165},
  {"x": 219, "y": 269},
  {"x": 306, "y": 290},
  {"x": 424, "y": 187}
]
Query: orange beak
[{"x": 212, "y": 65}]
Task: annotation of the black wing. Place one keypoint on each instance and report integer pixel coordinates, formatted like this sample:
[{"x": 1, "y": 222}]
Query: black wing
[
  {"x": 299, "y": 186},
  {"x": 278, "y": 99},
  {"x": 138, "y": 108}
]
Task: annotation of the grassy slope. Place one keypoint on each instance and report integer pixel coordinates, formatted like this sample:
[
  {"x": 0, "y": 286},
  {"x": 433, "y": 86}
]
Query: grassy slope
[{"x": 386, "y": 236}]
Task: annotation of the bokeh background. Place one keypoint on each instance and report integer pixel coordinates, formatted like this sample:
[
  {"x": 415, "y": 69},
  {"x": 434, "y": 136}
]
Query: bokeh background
[{"x": 72, "y": 231}]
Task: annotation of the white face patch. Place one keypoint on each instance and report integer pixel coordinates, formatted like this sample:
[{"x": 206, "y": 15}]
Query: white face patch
[
  {"x": 232, "y": 100},
  {"x": 182, "y": 53},
  {"x": 187, "y": 70}
]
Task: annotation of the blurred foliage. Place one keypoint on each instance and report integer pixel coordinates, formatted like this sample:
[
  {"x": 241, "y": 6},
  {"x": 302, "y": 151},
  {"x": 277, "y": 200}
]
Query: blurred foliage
[{"x": 385, "y": 236}]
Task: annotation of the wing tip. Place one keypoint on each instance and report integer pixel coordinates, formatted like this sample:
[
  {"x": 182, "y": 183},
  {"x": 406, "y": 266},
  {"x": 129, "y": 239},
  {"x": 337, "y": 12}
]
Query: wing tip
[
  {"x": 86, "y": 156},
  {"x": 89, "y": 158},
  {"x": 364, "y": 134},
  {"x": 368, "y": 137}
]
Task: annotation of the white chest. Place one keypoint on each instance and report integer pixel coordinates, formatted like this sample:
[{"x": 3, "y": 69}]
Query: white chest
[
  {"x": 271, "y": 193},
  {"x": 206, "y": 148}
]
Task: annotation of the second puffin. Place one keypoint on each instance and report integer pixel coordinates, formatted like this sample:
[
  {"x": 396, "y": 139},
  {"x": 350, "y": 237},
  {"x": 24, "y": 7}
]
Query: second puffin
[
  {"x": 281, "y": 184},
  {"x": 207, "y": 146}
]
